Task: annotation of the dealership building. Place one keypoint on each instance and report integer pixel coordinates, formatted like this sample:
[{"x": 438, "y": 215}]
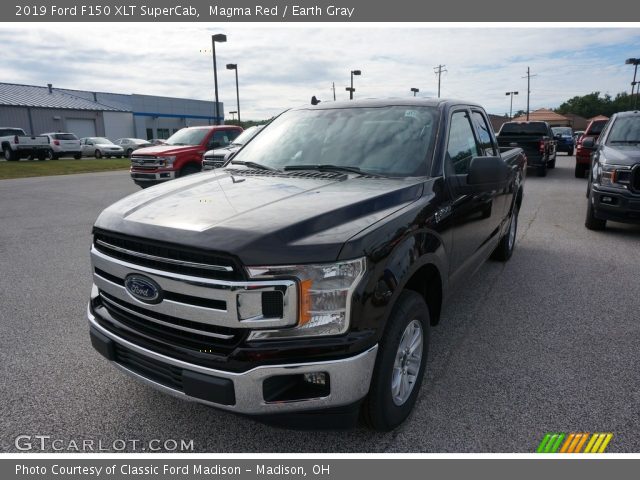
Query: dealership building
[{"x": 41, "y": 109}]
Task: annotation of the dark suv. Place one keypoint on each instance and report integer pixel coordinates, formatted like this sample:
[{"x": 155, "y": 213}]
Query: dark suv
[{"x": 614, "y": 181}]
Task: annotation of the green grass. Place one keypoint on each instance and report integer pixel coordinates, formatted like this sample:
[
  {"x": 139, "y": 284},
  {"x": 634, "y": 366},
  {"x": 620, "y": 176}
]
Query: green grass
[{"x": 35, "y": 168}]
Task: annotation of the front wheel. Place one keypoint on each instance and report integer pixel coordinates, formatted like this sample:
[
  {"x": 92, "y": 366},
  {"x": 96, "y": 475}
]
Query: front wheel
[
  {"x": 552, "y": 163},
  {"x": 542, "y": 170},
  {"x": 591, "y": 222},
  {"x": 129, "y": 152},
  {"x": 189, "y": 170},
  {"x": 97, "y": 154},
  {"x": 580, "y": 170},
  {"x": 504, "y": 250},
  {"x": 400, "y": 365}
]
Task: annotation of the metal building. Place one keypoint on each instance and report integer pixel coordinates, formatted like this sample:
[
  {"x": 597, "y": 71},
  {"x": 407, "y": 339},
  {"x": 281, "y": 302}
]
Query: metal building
[{"x": 47, "y": 109}]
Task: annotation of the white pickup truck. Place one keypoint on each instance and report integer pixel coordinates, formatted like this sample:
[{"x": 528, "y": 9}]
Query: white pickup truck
[{"x": 16, "y": 144}]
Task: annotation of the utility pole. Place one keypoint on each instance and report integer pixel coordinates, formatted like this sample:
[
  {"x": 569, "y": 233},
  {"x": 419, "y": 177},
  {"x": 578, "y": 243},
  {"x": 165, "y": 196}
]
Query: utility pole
[
  {"x": 528, "y": 89},
  {"x": 334, "y": 90},
  {"x": 439, "y": 69}
]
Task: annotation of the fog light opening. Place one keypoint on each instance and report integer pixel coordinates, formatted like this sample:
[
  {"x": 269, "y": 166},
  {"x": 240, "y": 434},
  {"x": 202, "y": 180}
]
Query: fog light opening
[{"x": 295, "y": 388}]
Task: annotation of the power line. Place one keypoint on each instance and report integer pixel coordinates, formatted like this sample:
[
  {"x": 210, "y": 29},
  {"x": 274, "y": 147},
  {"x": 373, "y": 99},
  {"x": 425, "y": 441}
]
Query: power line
[
  {"x": 528, "y": 77},
  {"x": 438, "y": 70}
]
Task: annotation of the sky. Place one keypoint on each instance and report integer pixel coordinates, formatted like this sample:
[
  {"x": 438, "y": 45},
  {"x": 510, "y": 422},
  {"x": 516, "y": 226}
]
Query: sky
[{"x": 282, "y": 66}]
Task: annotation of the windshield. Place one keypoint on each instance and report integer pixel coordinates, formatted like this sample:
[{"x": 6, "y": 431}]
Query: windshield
[
  {"x": 562, "y": 130},
  {"x": 247, "y": 135},
  {"x": 625, "y": 130},
  {"x": 390, "y": 140},
  {"x": 188, "y": 136},
  {"x": 100, "y": 140},
  {"x": 533, "y": 128}
]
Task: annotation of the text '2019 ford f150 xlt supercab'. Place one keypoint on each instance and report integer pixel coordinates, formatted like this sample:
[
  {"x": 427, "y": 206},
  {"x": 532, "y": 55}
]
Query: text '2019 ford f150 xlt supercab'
[{"x": 305, "y": 275}]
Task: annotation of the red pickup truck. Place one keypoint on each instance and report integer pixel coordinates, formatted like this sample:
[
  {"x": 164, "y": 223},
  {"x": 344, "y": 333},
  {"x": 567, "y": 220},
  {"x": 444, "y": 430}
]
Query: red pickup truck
[
  {"x": 181, "y": 154},
  {"x": 583, "y": 153}
]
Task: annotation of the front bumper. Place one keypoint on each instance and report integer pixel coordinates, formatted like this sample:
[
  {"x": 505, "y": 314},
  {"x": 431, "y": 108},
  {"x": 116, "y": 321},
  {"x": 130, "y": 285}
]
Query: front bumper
[
  {"x": 349, "y": 378},
  {"x": 146, "y": 176},
  {"x": 616, "y": 204}
]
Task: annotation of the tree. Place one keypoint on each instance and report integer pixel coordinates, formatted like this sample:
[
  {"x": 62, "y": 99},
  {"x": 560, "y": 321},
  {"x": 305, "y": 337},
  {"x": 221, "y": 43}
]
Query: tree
[{"x": 593, "y": 104}]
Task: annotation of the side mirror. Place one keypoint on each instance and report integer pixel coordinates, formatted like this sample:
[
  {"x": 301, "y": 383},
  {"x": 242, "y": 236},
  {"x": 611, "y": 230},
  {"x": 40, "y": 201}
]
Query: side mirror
[
  {"x": 589, "y": 142},
  {"x": 558, "y": 136},
  {"x": 487, "y": 173}
]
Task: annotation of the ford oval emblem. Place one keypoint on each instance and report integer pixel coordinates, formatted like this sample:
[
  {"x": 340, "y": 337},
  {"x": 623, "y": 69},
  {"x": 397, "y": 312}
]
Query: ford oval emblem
[{"x": 143, "y": 288}]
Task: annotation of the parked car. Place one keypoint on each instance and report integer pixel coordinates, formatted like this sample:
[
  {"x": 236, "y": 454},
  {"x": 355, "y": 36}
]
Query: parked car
[
  {"x": 535, "y": 139},
  {"x": 16, "y": 144},
  {"x": 307, "y": 277},
  {"x": 614, "y": 180},
  {"x": 131, "y": 144},
  {"x": 157, "y": 141},
  {"x": 181, "y": 154},
  {"x": 577, "y": 135},
  {"x": 63, "y": 144},
  {"x": 583, "y": 152},
  {"x": 218, "y": 157},
  {"x": 564, "y": 139},
  {"x": 99, "y": 147}
]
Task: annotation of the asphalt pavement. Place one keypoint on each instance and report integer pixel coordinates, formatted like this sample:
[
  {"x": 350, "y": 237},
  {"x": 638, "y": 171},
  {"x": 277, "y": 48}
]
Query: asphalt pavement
[{"x": 548, "y": 342}]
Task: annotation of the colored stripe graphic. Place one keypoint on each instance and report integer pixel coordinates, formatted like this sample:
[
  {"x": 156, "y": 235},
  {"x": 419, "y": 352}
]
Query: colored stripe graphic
[{"x": 574, "y": 442}]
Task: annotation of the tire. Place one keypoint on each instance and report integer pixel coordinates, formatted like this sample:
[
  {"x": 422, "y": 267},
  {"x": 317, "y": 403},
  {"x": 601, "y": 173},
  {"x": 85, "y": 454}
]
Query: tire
[
  {"x": 51, "y": 155},
  {"x": 129, "y": 152},
  {"x": 591, "y": 222},
  {"x": 579, "y": 171},
  {"x": 77, "y": 156},
  {"x": 97, "y": 154},
  {"x": 552, "y": 163},
  {"x": 118, "y": 156},
  {"x": 505, "y": 248},
  {"x": 42, "y": 156},
  {"x": 571, "y": 152},
  {"x": 189, "y": 170},
  {"x": 384, "y": 407},
  {"x": 10, "y": 155},
  {"x": 542, "y": 171}
]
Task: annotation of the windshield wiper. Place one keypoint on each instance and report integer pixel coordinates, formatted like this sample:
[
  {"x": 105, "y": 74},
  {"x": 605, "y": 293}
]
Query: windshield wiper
[
  {"x": 330, "y": 168},
  {"x": 255, "y": 165}
]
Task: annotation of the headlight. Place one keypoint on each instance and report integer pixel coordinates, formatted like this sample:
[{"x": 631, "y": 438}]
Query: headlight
[
  {"x": 166, "y": 161},
  {"x": 613, "y": 175},
  {"x": 324, "y": 297}
]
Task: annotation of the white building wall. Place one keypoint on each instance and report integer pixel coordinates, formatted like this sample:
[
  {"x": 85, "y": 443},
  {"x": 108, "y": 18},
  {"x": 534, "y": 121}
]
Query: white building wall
[{"x": 118, "y": 125}]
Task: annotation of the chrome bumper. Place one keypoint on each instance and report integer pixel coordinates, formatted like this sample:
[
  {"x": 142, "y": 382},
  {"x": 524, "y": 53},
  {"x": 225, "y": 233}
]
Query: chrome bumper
[{"x": 349, "y": 379}]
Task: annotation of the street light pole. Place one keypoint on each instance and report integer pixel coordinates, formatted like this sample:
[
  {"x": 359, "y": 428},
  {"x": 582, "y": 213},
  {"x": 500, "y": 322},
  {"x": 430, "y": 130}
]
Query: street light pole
[
  {"x": 234, "y": 66},
  {"x": 216, "y": 38},
  {"x": 415, "y": 90},
  {"x": 511, "y": 94},
  {"x": 634, "y": 61},
  {"x": 351, "y": 89}
]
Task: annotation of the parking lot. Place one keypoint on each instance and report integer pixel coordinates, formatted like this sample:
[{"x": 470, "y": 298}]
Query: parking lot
[{"x": 547, "y": 342}]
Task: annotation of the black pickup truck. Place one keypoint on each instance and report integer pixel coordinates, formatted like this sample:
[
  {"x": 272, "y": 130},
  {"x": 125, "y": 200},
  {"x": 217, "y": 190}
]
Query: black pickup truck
[
  {"x": 305, "y": 275},
  {"x": 536, "y": 140},
  {"x": 614, "y": 180}
]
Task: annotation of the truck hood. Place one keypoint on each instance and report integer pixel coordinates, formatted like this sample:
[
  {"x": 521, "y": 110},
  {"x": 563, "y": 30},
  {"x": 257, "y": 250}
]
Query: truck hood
[
  {"x": 621, "y": 155},
  {"x": 157, "y": 150},
  {"x": 261, "y": 217}
]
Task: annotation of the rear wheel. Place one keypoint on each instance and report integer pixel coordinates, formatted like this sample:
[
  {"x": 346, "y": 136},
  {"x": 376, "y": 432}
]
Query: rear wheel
[
  {"x": 542, "y": 170},
  {"x": 570, "y": 152},
  {"x": 400, "y": 364},
  {"x": 580, "y": 170},
  {"x": 129, "y": 152},
  {"x": 97, "y": 154},
  {"x": 51, "y": 155},
  {"x": 10, "y": 155},
  {"x": 552, "y": 163},
  {"x": 77, "y": 156}
]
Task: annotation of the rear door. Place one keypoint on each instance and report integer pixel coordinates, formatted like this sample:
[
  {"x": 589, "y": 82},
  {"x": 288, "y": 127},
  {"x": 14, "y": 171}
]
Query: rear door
[{"x": 475, "y": 217}]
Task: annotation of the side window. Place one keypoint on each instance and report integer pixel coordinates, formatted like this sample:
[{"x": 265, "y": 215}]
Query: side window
[
  {"x": 233, "y": 134},
  {"x": 484, "y": 134},
  {"x": 219, "y": 139},
  {"x": 461, "y": 146}
]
